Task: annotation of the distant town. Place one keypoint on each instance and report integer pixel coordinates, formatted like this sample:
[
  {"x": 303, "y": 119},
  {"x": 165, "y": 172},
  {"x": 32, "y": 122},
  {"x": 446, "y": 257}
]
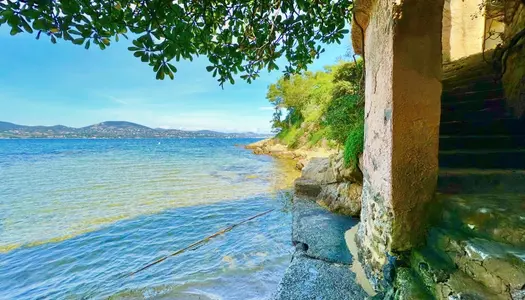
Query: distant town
[{"x": 110, "y": 130}]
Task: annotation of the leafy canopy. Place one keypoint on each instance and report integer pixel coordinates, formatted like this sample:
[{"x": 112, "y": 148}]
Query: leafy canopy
[{"x": 237, "y": 36}]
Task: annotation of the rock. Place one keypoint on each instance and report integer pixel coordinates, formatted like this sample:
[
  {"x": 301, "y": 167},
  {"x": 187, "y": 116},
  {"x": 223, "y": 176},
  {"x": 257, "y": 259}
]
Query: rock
[
  {"x": 409, "y": 287},
  {"x": 344, "y": 198},
  {"x": 319, "y": 170},
  {"x": 321, "y": 264},
  {"x": 312, "y": 279},
  {"x": 343, "y": 172},
  {"x": 321, "y": 230},
  {"x": 300, "y": 164},
  {"x": 306, "y": 187},
  {"x": 260, "y": 144}
]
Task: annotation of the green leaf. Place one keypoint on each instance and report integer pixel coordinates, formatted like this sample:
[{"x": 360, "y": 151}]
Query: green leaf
[
  {"x": 210, "y": 68},
  {"x": 160, "y": 75},
  {"x": 26, "y": 26},
  {"x": 39, "y": 24},
  {"x": 15, "y": 30},
  {"x": 172, "y": 68},
  {"x": 88, "y": 43},
  {"x": 79, "y": 41}
]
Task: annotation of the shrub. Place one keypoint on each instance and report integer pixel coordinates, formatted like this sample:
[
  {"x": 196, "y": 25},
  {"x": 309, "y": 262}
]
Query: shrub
[
  {"x": 318, "y": 136},
  {"x": 341, "y": 116},
  {"x": 354, "y": 144}
]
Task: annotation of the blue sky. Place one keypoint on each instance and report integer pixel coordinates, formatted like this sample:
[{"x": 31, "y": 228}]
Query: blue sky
[{"x": 46, "y": 84}]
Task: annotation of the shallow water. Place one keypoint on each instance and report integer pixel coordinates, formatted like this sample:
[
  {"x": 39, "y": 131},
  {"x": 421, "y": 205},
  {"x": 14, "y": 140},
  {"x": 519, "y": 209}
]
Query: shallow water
[{"x": 77, "y": 216}]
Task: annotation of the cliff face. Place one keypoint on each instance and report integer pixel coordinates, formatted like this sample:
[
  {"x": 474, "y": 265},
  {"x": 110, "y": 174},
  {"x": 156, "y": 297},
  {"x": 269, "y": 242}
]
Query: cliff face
[
  {"x": 332, "y": 184},
  {"x": 325, "y": 177}
]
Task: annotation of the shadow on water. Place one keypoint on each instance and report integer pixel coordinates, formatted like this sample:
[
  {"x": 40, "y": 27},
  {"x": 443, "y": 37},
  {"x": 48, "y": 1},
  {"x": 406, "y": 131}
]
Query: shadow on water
[{"x": 246, "y": 263}]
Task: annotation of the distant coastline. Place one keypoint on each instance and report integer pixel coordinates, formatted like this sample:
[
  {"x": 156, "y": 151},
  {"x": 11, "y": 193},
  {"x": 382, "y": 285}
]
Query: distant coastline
[{"x": 111, "y": 130}]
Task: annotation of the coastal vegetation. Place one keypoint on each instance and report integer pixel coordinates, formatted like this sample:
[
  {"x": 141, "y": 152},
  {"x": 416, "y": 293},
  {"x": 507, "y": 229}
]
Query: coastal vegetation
[{"x": 323, "y": 108}]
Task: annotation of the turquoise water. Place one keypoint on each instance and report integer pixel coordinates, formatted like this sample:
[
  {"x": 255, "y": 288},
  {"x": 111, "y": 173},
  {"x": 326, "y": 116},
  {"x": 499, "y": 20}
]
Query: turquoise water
[{"x": 77, "y": 216}]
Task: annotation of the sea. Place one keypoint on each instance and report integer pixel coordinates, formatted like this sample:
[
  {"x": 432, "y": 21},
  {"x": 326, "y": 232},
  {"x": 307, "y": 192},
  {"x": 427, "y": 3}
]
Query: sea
[{"x": 79, "y": 217}]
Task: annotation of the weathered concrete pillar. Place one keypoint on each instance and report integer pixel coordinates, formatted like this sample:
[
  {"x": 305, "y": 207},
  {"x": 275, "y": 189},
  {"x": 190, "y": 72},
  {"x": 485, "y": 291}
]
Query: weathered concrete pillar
[{"x": 402, "y": 111}]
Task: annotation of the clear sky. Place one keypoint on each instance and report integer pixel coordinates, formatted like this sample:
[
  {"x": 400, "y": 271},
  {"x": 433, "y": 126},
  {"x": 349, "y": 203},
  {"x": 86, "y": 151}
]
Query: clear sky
[{"x": 46, "y": 84}]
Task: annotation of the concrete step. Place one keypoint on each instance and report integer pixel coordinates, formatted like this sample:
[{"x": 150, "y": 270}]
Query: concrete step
[
  {"x": 477, "y": 181},
  {"x": 449, "y": 96},
  {"x": 473, "y": 105},
  {"x": 505, "y": 126},
  {"x": 487, "y": 142},
  {"x": 495, "y": 217},
  {"x": 489, "y": 113},
  {"x": 483, "y": 159},
  {"x": 454, "y": 263},
  {"x": 466, "y": 84}
]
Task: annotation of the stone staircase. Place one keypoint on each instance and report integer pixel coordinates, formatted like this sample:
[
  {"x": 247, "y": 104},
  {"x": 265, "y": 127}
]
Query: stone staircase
[
  {"x": 482, "y": 145},
  {"x": 476, "y": 251},
  {"x": 476, "y": 247}
]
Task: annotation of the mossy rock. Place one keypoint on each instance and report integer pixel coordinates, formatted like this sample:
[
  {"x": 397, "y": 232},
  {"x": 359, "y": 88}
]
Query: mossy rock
[{"x": 408, "y": 286}]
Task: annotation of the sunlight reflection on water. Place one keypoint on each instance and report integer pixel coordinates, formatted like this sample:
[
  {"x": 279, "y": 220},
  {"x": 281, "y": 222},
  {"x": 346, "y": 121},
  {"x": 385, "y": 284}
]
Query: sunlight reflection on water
[{"x": 77, "y": 215}]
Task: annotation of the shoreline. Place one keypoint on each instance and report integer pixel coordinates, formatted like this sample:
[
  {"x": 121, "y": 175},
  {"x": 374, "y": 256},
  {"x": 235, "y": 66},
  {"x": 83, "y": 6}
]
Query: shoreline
[
  {"x": 325, "y": 262},
  {"x": 302, "y": 156}
]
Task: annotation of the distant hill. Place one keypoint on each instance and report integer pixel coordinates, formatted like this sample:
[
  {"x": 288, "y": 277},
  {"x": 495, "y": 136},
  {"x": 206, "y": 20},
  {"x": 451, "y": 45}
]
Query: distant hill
[{"x": 111, "y": 129}]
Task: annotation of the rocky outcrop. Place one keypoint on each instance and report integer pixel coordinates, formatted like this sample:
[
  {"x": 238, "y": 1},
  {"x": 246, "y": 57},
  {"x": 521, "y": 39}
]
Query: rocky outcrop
[
  {"x": 466, "y": 257},
  {"x": 343, "y": 198},
  {"x": 321, "y": 263},
  {"x": 274, "y": 148},
  {"x": 332, "y": 184}
]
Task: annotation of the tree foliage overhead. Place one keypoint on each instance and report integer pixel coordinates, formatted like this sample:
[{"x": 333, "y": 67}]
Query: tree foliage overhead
[{"x": 237, "y": 36}]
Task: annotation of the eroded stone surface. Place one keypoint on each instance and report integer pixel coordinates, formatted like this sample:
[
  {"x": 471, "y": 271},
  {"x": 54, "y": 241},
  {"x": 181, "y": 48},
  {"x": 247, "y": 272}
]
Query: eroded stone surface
[
  {"x": 321, "y": 264},
  {"x": 308, "y": 278},
  {"x": 319, "y": 170},
  {"x": 332, "y": 184},
  {"x": 322, "y": 231},
  {"x": 306, "y": 187},
  {"x": 344, "y": 198},
  {"x": 455, "y": 265}
]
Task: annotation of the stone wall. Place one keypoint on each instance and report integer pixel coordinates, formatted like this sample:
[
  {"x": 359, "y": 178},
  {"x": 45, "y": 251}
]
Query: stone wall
[
  {"x": 463, "y": 29},
  {"x": 514, "y": 77}
]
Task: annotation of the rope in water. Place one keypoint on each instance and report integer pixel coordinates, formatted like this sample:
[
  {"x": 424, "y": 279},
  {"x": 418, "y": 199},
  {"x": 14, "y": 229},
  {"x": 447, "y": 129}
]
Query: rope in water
[{"x": 201, "y": 242}]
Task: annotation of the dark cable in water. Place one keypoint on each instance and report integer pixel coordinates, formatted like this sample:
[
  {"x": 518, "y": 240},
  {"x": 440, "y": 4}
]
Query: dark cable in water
[{"x": 201, "y": 242}]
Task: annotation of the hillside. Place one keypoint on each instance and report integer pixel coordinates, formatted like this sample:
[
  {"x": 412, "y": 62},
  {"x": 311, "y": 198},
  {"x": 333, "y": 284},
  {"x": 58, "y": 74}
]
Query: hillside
[
  {"x": 110, "y": 129},
  {"x": 323, "y": 109}
]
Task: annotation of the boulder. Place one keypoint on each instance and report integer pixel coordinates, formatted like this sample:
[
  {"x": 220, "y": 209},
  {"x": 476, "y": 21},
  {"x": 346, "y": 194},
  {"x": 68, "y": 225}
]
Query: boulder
[
  {"x": 319, "y": 170},
  {"x": 301, "y": 163},
  {"x": 343, "y": 172},
  {"x": 344, "y": 198},
  {"x": 307, "y": 187}
]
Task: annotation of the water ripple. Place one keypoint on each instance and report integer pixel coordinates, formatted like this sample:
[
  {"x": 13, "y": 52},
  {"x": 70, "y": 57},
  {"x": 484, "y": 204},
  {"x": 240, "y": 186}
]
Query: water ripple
[{"x": 76, "y": 216}]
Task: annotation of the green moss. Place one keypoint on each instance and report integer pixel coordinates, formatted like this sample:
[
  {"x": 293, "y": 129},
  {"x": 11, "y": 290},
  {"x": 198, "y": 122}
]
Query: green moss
[
  {"x": 354, "y": 144},
  {"x": 408, "y": 286}
]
